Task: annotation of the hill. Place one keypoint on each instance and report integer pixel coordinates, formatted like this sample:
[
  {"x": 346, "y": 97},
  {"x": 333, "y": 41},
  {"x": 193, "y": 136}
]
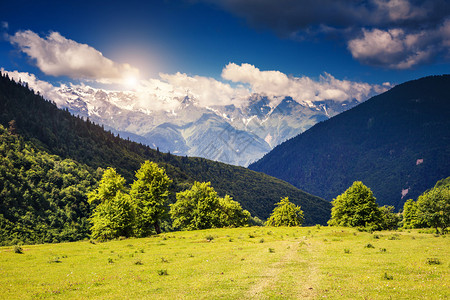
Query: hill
[
  {"x": 57, "y": 132},
  {"x": 397, "y": 143}
]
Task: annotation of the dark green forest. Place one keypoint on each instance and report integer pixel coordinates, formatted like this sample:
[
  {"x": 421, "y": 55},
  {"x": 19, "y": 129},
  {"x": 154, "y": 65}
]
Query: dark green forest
[
  {"x": 397, "y": 141},
  {"x": 43, "y": 197},
  {"x": 37, "y": 124}
]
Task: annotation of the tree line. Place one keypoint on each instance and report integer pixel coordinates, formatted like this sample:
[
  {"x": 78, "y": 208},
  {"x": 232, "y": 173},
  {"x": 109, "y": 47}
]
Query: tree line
[
  {"x": 357, "y": 207},
  {"x": 139, "y": 210}
]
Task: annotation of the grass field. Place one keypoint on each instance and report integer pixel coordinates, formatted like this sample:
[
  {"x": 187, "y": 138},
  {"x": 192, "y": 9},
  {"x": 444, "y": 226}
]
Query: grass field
[{"x": 242, "y": 263}]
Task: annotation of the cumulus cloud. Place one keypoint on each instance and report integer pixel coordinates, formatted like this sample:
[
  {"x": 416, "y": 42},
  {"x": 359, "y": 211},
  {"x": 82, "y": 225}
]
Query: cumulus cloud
[
  {"x": 207, "y": 91},
  {"x": 352, "y": 21},
  {"x": 275, "y": 84},
  {"x": 398, "y": 49},
  {"x": 58, "y": 56},
  {"x": 166, "y": 92}
]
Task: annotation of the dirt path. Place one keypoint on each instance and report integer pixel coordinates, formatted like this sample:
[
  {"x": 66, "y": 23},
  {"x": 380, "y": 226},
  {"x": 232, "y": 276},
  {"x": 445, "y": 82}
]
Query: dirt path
[{"x": 292, "y": 261}]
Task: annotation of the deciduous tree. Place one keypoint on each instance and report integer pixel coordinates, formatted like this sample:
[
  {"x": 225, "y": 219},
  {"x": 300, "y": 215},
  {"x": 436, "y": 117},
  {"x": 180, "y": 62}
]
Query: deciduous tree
[
  {"x": 113, "y": 215},
  {"x": 200, "y": 208},
  {"x": 286, "y": 214},
  {"x": 150, "y": 193},
  {"x": 356, "y": 207},
  {"x": 433, "y": 207}
]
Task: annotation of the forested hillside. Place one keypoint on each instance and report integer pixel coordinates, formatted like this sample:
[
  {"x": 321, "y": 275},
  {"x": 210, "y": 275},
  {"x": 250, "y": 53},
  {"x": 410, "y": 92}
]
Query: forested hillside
[
  {"x": 43, "y": 197},
  {"x": 59, "y": 133},
  {"x": 397, "y": 143}
]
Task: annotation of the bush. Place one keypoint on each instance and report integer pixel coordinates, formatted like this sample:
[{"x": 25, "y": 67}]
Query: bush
[
  {"x": 162, "y": 272},
  {"x": 17, "y": 249},
  {"x": 433, "y": 261}
]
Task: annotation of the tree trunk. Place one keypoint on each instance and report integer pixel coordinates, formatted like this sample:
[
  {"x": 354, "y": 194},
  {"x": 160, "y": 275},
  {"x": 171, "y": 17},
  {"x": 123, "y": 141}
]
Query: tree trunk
[{"x": 157, "y": 228}]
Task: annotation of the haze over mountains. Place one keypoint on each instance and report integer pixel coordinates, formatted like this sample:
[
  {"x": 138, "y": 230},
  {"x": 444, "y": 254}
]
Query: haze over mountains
[
  {"x": 397, "y": 143},
  {"x": 238, "y": 129}
]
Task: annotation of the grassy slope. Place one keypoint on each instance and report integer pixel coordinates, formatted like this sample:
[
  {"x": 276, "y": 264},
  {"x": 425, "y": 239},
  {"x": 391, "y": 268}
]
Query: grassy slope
[{"x": 303, "y": 263}]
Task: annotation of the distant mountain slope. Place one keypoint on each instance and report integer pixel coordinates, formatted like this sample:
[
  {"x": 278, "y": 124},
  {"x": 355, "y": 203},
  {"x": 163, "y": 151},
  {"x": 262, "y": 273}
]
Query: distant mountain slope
[
  {"x": 58, "y": 132},
  {"x": 237, "y": 134},
  {"x": 397, "y": 143}
]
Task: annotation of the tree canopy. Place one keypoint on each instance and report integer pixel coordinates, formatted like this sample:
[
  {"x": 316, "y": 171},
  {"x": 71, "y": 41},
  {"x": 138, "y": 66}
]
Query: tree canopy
[
  {"x": 150, "y": 193},
  {"x": 113, "y": 215},
  {"x": 286, "y": 214},
  {"x": 433, "y": 207},
  {"x": 200, "y": 208},
  {"x": 356, "y": 207}
]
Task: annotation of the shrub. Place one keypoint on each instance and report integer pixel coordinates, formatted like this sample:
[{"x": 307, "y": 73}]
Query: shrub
[
  {"x": 388, "y": 277},
  {"x": 347, "y": 251},
  {"x": 369, "y": 246},
  {"x": 271, "y": 250},
  {"x": 433, "y": 261},
  {"x": 209, "y": 238},
  {"x": 162, "y": 272},
  {"x": 17, "y": 249},
  {"x": 54, "y": 259},
  {"x": 138, "y": 262}
]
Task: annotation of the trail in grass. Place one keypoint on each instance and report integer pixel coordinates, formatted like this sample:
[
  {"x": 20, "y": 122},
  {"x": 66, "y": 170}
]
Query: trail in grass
[{"x": 294, "y": 275}]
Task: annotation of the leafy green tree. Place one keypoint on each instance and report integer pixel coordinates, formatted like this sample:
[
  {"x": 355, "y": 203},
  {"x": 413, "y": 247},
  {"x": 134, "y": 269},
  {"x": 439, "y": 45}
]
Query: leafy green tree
[
  {"x": 433, "y": 207},
  {"x": 232, "y": 214},
  {"x": 110, "y": 184},
  {"x": 411, "y": 218},
  {"x": 286, "y": 214},
  {"x": 113, "y": 218},
  {"x": 113, "y": 215},
  {"x": 200, "y": 208},
  {"x": 389, "y": 219},
  {"x": 356, "y": 207},
  {"x": 196, "y": 208},
  {"x": 150, "y": 193}
]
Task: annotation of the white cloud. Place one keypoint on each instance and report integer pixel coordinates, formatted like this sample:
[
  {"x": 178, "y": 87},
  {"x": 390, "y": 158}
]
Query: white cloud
[
  {"x": 166, "y": 92},
  {"x": 275, "y": 83},
  {"x": 57, "y": 56},
  {"x": 47, "y": 90},
  {"x": 5, "y": 25},
  {"x": 398, "y": 49},
  {"x": 207, "y": 91}
]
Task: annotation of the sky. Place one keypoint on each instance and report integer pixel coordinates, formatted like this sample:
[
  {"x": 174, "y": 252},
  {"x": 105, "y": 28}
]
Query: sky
[{"x": 224, "y": 49}]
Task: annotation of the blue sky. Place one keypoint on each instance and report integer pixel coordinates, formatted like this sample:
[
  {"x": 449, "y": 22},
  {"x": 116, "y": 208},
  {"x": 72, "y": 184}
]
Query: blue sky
[{"x": 371, "y": 41}]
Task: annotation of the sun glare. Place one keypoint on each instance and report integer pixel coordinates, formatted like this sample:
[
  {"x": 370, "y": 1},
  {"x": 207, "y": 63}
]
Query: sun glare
[{"x": 131, "y": 81}]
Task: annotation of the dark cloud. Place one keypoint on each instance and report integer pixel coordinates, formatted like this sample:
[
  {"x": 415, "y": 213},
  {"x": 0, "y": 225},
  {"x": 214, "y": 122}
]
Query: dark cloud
[
  {"x": 289, "y": 16},
  {"x": 360, "y": 23}
]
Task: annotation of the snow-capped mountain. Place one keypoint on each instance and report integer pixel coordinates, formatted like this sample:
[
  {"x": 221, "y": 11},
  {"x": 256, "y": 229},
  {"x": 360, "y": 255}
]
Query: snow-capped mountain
[{"x": 230, "y": 134}]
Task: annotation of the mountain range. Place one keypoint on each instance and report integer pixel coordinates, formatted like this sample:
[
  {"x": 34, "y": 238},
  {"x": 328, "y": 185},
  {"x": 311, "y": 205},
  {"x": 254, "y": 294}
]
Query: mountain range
[
  {"x": 237, "y": 135},
  {"x": 396, "y": 143}
]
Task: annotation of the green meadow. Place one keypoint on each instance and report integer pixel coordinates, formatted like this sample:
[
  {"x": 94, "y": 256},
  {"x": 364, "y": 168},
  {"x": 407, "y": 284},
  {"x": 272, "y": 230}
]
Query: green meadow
[{"x": 241, "y": 263}]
